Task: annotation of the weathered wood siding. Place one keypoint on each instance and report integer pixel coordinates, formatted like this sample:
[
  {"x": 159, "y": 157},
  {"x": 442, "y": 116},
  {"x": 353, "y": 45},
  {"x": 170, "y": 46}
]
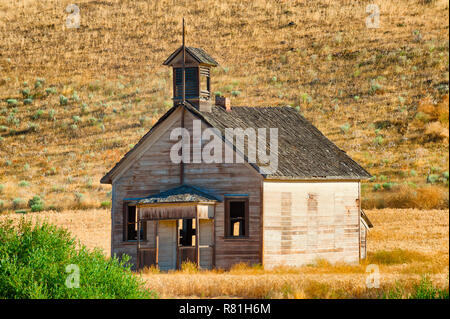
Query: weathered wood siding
[
  {"x": 363, "y": 237},
  {"x": 306, "y": 221},
  {"x": 152, "y": 172},
  {"x": 232, "y": 178}
]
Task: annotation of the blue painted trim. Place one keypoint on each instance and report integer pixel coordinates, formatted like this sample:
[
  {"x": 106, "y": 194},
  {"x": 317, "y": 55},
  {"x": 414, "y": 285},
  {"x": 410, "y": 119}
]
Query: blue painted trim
[{"x": 243, "y": 195}]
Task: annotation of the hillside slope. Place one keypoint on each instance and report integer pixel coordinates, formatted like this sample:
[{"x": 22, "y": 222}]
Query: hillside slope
[{"x": 73, "y": 101}]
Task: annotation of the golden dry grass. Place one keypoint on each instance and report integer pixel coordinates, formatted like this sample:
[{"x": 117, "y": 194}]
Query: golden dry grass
[
  {"x": 92, "y": 227},
  {"x": 406, "y": 244},
  {"x": 365, "y": 89}
]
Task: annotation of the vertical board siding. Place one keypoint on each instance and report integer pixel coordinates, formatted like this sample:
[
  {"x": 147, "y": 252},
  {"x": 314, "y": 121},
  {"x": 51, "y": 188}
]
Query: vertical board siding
[
  {"x": 153, "y": 172},
  {"x": 306, "y": 221},
  {"x": 363, "y": 237},
  {"x": 149, "y": 174},
  {"x": 221, "y": 179}
]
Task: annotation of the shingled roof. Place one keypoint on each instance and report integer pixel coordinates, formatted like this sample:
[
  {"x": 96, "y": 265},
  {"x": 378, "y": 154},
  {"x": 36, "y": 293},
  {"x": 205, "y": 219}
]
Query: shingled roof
[
  {"x": 184, "y": 193},
  {"x": 303, "y": 151},
  {"x": 197, "y": 53}
]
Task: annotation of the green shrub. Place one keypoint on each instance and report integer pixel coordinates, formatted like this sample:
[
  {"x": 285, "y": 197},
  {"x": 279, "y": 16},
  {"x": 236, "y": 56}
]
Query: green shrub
[
  {"x": 84, "y": 108},
  {"x": 51, "y": 114},
  {"x": 27, "y": 101},
  {"x": 11, "y": 101},
  {"x": 25, "y": 93},
  {"x": 105, "y": 204},
  {"x": 92, "y": 120},
  {"x": 36, "y": 204},
  {"x": 432, "y": 179},
  {"x": 345, "y": 128},
  {"x": 305, "y": 98},
  {"x": 76, "y": 118},
  {"x": 23, "y": 184},
  {"x": 374, "y": 87},
  {"x": 33, "y": 127},
  {"x": 79, "y": 198},
  {"x": 426, "y": 290},
  {"x": 38, "y": 114},
  {"x": 376, "y": 187},
  {"x": 75, "y": 97},
  {"x": 39, "y": 83},
  {"x": 50, "y": 90},
  {"x": 388, "y": 186},
  {"x": 2, "y": 187},
  {"x": 378, "y": 140},
  {"x": 42, "y": 261},
  {"x": 63, "y": 100}
]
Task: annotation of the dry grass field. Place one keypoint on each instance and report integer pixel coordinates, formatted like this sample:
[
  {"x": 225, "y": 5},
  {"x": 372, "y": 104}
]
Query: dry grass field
[
  {"x": 406, "y": 244},
  {"x": 74, "y": 101}
]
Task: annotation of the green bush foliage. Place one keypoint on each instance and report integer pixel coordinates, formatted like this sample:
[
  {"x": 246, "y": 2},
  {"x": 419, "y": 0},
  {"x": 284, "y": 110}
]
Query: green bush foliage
[
  {"x": 36, "y": 204},
  {"x": 37, "y": 261}
]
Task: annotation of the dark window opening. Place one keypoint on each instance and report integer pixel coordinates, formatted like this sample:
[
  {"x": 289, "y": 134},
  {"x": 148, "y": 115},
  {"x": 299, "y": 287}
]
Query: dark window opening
[
  {"x": 131, "y": 224},
  {"x": 187, "y": 232},
  {"x": 236, "y": 217}
]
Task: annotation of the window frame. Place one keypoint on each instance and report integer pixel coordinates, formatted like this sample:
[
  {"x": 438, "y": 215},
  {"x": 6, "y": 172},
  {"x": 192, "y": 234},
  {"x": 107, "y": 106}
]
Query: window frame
[
  {"x": 227, "y": 228},
  {"x": 125, "y": 239}
]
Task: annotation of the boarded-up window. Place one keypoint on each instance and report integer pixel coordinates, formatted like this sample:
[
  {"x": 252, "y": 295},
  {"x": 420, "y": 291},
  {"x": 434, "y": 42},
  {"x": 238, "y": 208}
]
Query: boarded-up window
[
  {"x": 236, "y": 217},
  {"x": 131, "y": 225},
  {"x": 191, "y": 78}
]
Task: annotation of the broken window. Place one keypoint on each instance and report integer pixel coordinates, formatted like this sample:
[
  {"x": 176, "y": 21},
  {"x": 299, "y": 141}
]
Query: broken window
[
  {"x": 131, "y": 225},
  {"x": 187, "y": 232},
  {"x": 236, "y": 217}
]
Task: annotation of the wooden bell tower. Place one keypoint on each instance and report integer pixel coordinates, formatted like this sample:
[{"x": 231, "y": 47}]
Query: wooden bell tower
[{"x": 191, "y": 76}]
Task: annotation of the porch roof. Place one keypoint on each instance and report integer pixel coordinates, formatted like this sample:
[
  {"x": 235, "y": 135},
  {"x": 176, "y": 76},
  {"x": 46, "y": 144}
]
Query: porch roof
[{"x": 181, "y": 194}]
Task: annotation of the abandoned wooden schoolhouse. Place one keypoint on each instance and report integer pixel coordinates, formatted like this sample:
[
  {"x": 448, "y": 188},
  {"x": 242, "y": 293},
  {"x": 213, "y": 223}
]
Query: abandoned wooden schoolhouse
[{"x": 219, "y": 213}]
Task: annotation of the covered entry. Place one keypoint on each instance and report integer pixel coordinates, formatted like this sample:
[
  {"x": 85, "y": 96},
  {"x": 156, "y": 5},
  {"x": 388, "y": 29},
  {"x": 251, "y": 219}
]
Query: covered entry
[{"x": 179, "y": 224}]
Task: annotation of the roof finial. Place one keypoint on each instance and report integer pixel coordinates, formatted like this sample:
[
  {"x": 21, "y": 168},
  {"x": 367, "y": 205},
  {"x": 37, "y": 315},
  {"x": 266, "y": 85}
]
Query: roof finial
[{"x": 184, "y": 67}]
